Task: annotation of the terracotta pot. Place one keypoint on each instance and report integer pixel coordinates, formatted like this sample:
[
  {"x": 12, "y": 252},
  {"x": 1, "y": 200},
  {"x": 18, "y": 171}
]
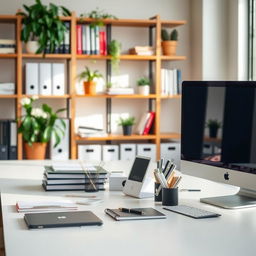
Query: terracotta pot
[
  {"x": 90, "y": 87},
  {"x": 32, "y": 46},
  {"x": 169, "y": 47},
  {"x": 143, "y": 89},
  {"x": 36, "y": 151}
]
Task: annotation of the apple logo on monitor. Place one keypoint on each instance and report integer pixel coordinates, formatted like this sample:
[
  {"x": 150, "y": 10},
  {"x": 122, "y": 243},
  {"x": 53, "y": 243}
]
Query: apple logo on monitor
[{"x": 226, "y": 176}]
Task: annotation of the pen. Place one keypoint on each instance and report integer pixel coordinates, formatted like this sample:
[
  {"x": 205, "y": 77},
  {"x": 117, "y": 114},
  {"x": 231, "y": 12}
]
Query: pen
[
  {"x": 190, "y": 190},
  {"x": 131, "y": 211}
]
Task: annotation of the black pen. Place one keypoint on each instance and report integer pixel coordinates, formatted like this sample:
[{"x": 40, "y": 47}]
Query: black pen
[
  {"x": 131, "y": 211},
  {"x": 191, "y": 190}
]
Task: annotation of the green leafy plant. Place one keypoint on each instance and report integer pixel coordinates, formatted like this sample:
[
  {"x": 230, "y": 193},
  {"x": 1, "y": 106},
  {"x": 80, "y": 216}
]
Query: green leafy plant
[
  {"x": 143, "y": 81},
  {"x": 173, "y": 36},
  {"x": 114, "y": 49},
  {"x": 99, "y": 16},
  {"x": 39, "y": 124},
  {"x": 42, "y": 23},
  {"x": 213, "y": 123},
  {"x": 89, "y": 75},
  {"x": 126, "y": 121}
]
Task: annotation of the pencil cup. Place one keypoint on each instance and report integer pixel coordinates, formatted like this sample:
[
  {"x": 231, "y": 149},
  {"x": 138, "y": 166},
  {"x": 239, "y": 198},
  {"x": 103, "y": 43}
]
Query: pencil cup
[
  {"x": 158, "y": 198},
  {"x": 170, "y": 196}
]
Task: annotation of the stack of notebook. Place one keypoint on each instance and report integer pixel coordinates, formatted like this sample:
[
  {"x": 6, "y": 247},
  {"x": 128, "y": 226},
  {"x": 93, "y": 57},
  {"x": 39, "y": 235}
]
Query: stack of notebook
[{"x": 74, "y": 177}]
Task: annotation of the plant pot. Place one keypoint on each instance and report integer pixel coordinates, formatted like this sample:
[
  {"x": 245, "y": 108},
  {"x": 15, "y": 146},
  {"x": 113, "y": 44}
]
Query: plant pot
[
  {"x": 143, "y": 89},
  {"x": 169, "y": 47},
  {"x": 213, "y": 131},
  {"x": 90, "y": 87},
  {"x": 32, "y": 47},
  {"x": 36, "y": 151},
  {"x": 127, "y": 129}
]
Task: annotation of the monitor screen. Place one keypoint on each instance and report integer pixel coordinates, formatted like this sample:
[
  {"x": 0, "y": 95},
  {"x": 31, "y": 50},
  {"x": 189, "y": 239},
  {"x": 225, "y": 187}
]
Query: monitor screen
[{"x": 219, "y": 124}]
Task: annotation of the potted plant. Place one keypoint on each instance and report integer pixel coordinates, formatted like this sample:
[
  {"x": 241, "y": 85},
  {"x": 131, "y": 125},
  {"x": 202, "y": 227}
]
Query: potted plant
[
  {"x": 42, "y": 28},
  {"x": 89, "y": 80},
  {"x": 127, "y": 124},
  {"x": 114, "y": 50},
  {"x": 37, "y": 126},
  {"x": 213, "y": 125},
  {"x": 143, "y": 86},
  {"x": 169, "y": 42}
]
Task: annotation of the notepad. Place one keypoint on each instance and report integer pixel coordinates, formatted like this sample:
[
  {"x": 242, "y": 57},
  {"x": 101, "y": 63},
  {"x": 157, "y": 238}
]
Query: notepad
[{"x": 148, "y": 213}]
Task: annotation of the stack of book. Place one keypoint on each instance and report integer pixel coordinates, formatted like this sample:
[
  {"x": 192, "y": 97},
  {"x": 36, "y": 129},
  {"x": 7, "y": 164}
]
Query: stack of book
[
  {"x": 145, "y": 123},
  {"x": 85, "y": 131},
  {"x": 171, "y": 82},
  {"x": 7, "y": 46},
  {"x": 119, "y": 91},
  {"x": 7, "y": 88},
  {"x": 74, "y": 177},
  {"x": 142, "y": 50},
  {"x": 91, "y": 40}
]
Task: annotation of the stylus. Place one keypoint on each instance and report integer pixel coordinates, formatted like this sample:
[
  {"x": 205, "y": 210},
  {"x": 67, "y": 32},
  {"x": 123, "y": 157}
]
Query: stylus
[
  {"x": 190, "y": 190},
  {"x": 167, "y": 166}
]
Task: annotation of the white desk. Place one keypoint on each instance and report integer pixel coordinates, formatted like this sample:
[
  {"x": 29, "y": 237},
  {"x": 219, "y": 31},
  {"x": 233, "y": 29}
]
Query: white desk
[{"x": 232, "y": 234}]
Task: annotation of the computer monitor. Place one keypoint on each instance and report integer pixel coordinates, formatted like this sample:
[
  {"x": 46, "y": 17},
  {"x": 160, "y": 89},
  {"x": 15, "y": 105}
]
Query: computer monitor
[{"x": 227, "y": 154}]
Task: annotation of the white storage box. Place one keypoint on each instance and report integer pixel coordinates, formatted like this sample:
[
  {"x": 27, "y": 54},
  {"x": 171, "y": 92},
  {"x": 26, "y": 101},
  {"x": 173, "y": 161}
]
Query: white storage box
[
  {"x": 171, "y": 151},
  {"x": 110, "y": 152},
  {"x": 148, "y": 150},
  {"x": 127, "y": 152},
  {"x": 116, "y": 181},
  {"x": 89, "y": 152}
]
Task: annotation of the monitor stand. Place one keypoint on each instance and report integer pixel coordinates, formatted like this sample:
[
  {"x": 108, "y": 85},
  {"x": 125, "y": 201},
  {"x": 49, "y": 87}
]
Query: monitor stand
[{"x": 243, "y": 199}]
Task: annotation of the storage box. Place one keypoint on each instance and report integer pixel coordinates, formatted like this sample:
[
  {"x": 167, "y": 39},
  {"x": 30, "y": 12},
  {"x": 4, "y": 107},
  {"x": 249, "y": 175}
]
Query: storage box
[
  {"x": 148, "y": 150},
  {"x": 89, "y": 152},
  {"x": 116, "y": 181},
  {"x": 110, "y": 152},
  {"x": 171, "y": 151},
  {"x": 127, "y": 152}
]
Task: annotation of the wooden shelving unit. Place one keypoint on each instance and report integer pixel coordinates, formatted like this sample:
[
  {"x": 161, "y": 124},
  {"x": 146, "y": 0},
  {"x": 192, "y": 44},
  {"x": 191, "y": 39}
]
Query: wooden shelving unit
[{"x": 153, "y": 23}]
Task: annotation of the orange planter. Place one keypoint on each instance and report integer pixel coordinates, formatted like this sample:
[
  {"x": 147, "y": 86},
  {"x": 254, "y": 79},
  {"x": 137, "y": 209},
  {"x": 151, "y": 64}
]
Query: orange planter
[
  {"x": 169, "y": 47},
  {"x": 90, "y": 87},
  {"x": 36, "y": 151}
]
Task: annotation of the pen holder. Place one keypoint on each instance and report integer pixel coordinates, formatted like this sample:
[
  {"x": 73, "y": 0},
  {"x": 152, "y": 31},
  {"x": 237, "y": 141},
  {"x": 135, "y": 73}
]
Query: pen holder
[
  {"x": 158, "y": 198},
  {"x": 170, "y": 196}
]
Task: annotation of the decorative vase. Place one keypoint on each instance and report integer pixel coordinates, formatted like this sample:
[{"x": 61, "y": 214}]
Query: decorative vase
[
  {"x": 143, "y": 90},
  {"x": 127, "y": 129},
  {"x": 169, "y": 47},
  {"x": 32, "y": 47},
  {"x": 90, "y": 87},
  {"x": 36, "y": 151}
]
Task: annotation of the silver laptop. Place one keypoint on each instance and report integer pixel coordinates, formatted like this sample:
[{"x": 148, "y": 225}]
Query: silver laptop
[{"x": 61, "y": 219}]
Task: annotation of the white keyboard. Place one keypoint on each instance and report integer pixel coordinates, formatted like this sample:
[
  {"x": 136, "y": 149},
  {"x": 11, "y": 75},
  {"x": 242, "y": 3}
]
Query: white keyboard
[{"x": 191, "y": 211}]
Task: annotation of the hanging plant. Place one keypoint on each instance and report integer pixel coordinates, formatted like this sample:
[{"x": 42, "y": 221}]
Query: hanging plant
[{"x": 114, "y": 50}]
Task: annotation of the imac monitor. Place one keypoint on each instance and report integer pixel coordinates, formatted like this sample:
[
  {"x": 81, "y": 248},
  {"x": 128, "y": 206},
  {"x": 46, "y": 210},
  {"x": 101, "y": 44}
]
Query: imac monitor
[{"x": 218, "y": 137}]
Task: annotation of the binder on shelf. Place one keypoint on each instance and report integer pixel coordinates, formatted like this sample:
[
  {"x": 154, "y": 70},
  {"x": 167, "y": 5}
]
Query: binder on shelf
[
  {"x": 127, "y": 152},
  {"x": 4, "y": 136},
  {"x": 89, "y": 152},
  {"x": 88, "y": 39},
  {"x": 97, "y": 40},
  {"x": 45, "y": 79},
  {"x": 12, "y": 147},
  {"x": 66, "y": 46},
  {"x": 148, "y": 150},
  {"x": 32, "y": 78},
  {"x": 92, "y": 37},
  {"x": 110, "y": 152},
  {"x": 61, "y": 152},
  {"x": 84, "y": 39},
  {"x": 79, "y": 39},
  {"x": 58, "y": 79},
  {"x": 149, "y": 123},
  {"x": 171, "y": 151}
]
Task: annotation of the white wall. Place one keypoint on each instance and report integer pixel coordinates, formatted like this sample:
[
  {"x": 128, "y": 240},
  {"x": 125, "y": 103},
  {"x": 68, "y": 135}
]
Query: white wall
[{"x": 167, "y": 9}]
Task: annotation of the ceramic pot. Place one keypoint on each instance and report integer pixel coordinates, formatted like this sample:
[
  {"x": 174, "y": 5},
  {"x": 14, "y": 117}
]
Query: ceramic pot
[
  {"x": 90, "y": 87},
  {"x": 169, "y": 47},
  {"x": 213, "y": 131},
  {"x": 36, "y": 151},
  {"x": 127, "y": 129},
  {"x": 32, "y": 47},
  {"x": 143, "y": 89}
]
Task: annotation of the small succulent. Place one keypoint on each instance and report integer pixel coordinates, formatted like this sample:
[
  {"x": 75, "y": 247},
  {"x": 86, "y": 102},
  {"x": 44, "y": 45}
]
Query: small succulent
[
  {"x": 126, "y": 121},
  {"x": 173, "y": 36},
  {"x": 143, "y": 81}
]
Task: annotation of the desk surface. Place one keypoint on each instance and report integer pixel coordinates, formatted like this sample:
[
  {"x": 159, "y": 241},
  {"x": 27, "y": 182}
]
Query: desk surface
[{"x": 232, "y": 234}]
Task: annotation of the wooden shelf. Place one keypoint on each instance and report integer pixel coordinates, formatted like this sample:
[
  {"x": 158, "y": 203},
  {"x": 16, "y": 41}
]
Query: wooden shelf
[
  {"x": 172, "y": 23},
  {"x": 66, "y": 96},
  {"x": 47, "y": 56},
  {"x": 164, "y": 57},
  {"x": 8, "y": 55},
  {"x": 169, "y": 136},
  {"x": 8, "y": 18},
  {"x": 178, "y": 96},
  {"x": 13, "y": 96},
  {"x": 122, "y": 57},
  {"x": 117, "y": 137},
  {"x": 123, "y": 96}
]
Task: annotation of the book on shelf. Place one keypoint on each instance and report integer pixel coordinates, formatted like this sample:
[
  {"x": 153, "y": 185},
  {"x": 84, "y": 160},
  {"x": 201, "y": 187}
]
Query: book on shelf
[
  {"x": 7, "y": 46},
  {"x": 142, "y": 50},
  {"x": 88, "y": 128},
  {"x": 66, "y": 43},
  {"x": 103, "y": 43},
  {"x": 92, "y": 134},
  {"x": 145, "y": 123},
  {"x": 171, "y": 82},
  {"x": 79, "y": 39},
  {"x": 7, "y": 88}
]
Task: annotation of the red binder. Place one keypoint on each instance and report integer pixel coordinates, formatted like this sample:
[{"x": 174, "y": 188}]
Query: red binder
[{"x": 149, "y": 123}]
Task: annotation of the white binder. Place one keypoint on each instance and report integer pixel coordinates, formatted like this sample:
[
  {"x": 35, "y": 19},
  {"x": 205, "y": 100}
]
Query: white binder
[
  {"x": 61, "y": 152},
  {"x": 32, "y": 79},
  {"x": 58, "y": 79},
  {"x": 110, "y": 152},
  {"x": 89, "y": 152},
  {"x": 127, "y": 152},
  {"x": 45, "y": 79}
]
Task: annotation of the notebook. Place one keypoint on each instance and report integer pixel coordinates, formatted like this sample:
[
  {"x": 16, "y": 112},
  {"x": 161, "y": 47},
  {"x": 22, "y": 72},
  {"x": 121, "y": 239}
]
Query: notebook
[
  {"x": 148, "y": 213},
  {"x": 61, "y": 219}
]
